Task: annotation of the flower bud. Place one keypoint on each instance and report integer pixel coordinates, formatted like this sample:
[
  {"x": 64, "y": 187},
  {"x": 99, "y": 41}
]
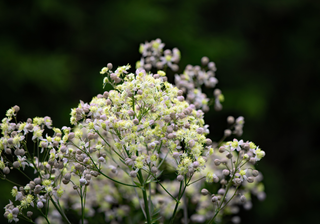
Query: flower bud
[
  {"x": 15, "y": 211},
  {"x": 204, "y": 60},
  {"x": 29, "y": 213},
  {"x": 229, "y": 156},
  {"x": 252, "y": 160},
  {"x": 227, "y": 132},
  {"x": 221, "y": 191},
  {"x": 130, "y": 112},
  {"x": 200, "y": 130},
  {"x": 135, "y": 121},
  {"x": 237, "y": 181},
  {"x": 8, "y": 151},
  {"x": 180, "y": 178},
  {"x": 208, "y": 141},
  {"x": 250, "y": 179},
  {"x": 230, "y": 120},
  {"x": 37, "y": 180},
  {"x": 82, "y": 181},
  {"x": 217, "y": 162},
  {"x": 255, "y": 173},
  {"x": 225, "y": 172},
  {"x": 223, "y": 182},
  {"x": 6, "y": 170},
  {"x": 180, "y": 98},
  {"x": 243, "y": 199},
  {"x": 133, "y": 174},
  {"x": 110, "y": 66},
  {"x": 67, "y": 176},
  {"x": 16, "y": 164},
  {"x": 16, "y": 108},
  {"x": 222, "y": 149},
  {"x": 40, "y": 204},
  {"x": 214, "y": 199},
  {"x": 205, "y": 191}
]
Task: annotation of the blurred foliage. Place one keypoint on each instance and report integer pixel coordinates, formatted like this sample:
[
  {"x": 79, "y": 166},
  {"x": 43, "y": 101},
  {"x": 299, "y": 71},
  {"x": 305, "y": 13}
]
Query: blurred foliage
[{"x": 266, "y": 53}]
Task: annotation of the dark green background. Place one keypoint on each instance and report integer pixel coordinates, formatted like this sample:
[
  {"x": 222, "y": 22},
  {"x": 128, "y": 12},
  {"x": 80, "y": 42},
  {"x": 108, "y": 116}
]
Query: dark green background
[{"x": 266, "y": 52}]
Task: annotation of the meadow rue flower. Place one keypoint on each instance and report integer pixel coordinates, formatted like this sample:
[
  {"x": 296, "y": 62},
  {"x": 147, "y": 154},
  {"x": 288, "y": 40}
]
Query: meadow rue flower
[{"x": 124, "y": 139}]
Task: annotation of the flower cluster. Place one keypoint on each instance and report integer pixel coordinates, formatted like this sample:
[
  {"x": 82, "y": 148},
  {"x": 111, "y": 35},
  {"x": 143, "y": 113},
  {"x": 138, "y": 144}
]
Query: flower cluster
[
  {"x": 141, "y": 146},
  {"x": 154, "y": 56}
]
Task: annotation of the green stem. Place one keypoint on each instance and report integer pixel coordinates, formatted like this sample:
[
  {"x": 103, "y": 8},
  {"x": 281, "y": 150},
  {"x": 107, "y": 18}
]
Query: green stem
[
  {"x": 177, "y": 203},
  {"x": 145, "y": 198},
  {"x": 60, "y": 210},
  {"x": 219, "y": 208},
  {"x": 44, "y": 216}
]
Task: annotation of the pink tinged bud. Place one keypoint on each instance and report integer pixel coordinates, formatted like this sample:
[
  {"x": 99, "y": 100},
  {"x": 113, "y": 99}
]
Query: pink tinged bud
[
  {"x": 71, "y": 136},
  {"x": 250, "y": 179},
  {"x": 8, "y": 151},
  {"x": 103, "y": 117},
  {"x": 167, "y": 119},
  {"x": 180, "y": 178},
  {"x": 37, "y": 180},
  {"x": 16, "y": 164},
  {"x": 67, "y": 176},
  {"x": 217, "y": 162},
  {"x": 176, "y": 155},
  {"x": 15, "y": 211},
  {"x": 180, "y": 92},
  {"x": 229, "y": 156},
  {"x": 205, "y": 191},
  {"x": 196, "y": 164},
  {"x": 133, "y": 174},
  {"x": 243, "y": 199},
  {"x": 227, "y": 133},
  {"x": 109, "y": 102},
  {"x": 221, "y": 191},
  {"x": 200, "y": 130},
  {"x": 139, "y": 92},
  {"x": 191, "y": 143},
  {"x": 129, "y": 162},
  {"x": 230, "y": 120},
  {"x": 208, "y": 141},
  {"x": 114, "y": 170},
  {"x": 173, "y": 115},
  {"x": 105, "y": 94},
  {"x": 130, "y": 112},
  {"x": 16, "y": 108},
  {"x": 136, "y": 121},
  {"x": 83, "y": 181},
  {"x": 170, "y": 136},
  {"x": 169, "y": 129},
  {"x": 204, "y": 60},
  {"x": 40, "y": 205},
  {"x": 255, "y": 173},
  {"x": 237, "y": 181},
  {"x": 6, "y": 170},
  {"x": 225, "y": 172},
  {"x": 252, "y": 160},
  {"x": 214, "y": 199},
  {"x": 223, "y": 182},
  {"x": 101, "y": 160},
  {"x": 109, "y": 65},
  {"x": 10, "y": 141},
  {"x": 180, "y": 98}
]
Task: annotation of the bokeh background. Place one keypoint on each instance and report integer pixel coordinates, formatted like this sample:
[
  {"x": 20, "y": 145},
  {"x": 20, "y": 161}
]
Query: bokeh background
[{"x": 266, "y": 52}]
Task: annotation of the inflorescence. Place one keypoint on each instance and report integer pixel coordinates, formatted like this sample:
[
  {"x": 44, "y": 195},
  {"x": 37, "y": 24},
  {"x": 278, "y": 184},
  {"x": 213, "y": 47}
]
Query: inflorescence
[{"x": 121, "y": 144}]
